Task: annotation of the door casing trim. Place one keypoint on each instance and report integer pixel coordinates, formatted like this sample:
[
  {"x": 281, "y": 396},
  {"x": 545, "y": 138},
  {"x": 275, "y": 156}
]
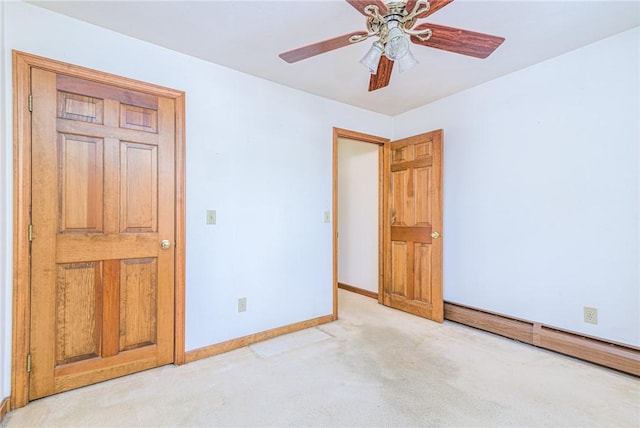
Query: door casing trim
[
  {"x": 22, "y": 64},
  {"x": 383, "y": 179}
]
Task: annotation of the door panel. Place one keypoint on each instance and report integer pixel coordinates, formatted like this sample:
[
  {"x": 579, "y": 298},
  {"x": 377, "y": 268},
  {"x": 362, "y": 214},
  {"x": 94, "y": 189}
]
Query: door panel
[
  {"x": 398, "y": 271},
  {"x": 414, "y": 258},
  {"x": 422, "y": 272},
  {"x": 138, "y": 187},
  {"x": 138, "y": 300},
  {"x": 80, "y": 184},
  {"x": 102, "y": 200},
  {"x": 78, "y": 287},
  {"x": 424, "y": 186}
]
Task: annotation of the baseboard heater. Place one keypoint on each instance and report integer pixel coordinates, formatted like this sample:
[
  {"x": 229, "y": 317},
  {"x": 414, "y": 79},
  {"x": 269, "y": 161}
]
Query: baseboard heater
[{"x": 622, "y": 357}]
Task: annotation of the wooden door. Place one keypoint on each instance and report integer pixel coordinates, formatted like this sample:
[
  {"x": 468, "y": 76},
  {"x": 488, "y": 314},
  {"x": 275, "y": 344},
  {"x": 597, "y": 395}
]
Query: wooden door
[
  {"x": 102, "y": 289},
  {"x": 413, "y": 272}
]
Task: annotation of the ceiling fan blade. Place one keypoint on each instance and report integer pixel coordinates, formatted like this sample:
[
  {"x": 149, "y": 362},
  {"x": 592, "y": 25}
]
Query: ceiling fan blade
[
  {"x": 435, "y": 5},
  {"x": 361, "y": 4},
  {"x": 464, "y": 42},
  {"x": 382, "y": 76},
  {"x": 314, "y": 49}
]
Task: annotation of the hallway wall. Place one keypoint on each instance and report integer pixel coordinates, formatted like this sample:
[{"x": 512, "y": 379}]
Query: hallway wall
[{"x": 358, "y": 214}]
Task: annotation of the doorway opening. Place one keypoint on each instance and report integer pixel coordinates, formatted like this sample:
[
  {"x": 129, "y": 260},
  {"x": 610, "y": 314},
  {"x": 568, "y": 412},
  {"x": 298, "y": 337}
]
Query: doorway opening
[
  {"x": 409, "y": 223},
  {"x": 358, "y": 209}
]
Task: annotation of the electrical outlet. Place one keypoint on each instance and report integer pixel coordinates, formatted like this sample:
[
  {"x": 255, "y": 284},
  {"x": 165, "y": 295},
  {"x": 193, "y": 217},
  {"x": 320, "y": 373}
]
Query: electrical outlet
[
  {"x": 590, "y": 315},
  {"x": 211, "y": 216},
  {"x": 242, "y": 304}
]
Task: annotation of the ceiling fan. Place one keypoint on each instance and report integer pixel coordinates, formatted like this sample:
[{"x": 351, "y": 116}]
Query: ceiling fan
[{"x": 395, "y": 24}]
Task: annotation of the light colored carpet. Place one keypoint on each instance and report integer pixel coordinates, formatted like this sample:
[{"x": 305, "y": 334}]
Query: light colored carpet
[{"x": 374, "y": 367}]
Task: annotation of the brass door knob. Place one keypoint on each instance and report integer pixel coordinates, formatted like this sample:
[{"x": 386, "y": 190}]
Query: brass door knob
[
  {"x": 435, "y": 235},
  {"x": 165, "y": 244}
]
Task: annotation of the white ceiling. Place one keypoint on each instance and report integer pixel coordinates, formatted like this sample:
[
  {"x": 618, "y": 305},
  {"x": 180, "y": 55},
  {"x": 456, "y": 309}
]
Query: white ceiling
[{"x": 248, "y": 35}]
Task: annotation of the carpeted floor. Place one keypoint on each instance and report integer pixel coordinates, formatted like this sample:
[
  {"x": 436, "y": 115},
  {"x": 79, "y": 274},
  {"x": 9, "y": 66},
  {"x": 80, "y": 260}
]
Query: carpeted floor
[{"x": 374, "y": 367}]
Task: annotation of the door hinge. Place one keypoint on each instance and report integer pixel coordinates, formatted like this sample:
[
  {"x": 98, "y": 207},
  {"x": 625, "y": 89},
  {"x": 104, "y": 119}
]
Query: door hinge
[
  {"x": 30, "y": 102},
  {"x": 28, "y": 363},
  {"x": 30, "y": 233}
]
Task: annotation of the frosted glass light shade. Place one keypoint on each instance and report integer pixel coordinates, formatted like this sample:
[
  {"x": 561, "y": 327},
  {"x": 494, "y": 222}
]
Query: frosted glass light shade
[
  {"x": 372, "y": 58},
  {"x": 407, "y": 61},
  {"x": 397, "y": 44}
]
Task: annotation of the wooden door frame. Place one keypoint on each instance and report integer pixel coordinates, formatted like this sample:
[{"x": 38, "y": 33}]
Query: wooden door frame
[
  {"x": 22, "y": 64},
  {"x": 383, "y": 182}
]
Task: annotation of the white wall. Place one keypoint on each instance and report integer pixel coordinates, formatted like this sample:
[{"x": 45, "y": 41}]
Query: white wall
[
  {"x": 358, "y": 214},
  {"x": 541, "y": 182},
  {"x": 257, "y": 152}
]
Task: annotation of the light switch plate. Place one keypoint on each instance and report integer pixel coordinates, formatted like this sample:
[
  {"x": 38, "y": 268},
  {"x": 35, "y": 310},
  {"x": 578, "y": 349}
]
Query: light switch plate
[
  {"x": 211, "y": 216},
  {"x": 327, "y": 217}
]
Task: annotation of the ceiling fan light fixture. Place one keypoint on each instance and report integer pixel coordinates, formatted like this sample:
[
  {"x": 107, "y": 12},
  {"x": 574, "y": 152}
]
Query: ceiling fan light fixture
[
  {"x": 397, "y": 44},
  {"x": 407, "y": 61},
  {"x": 372, "y": 58}
]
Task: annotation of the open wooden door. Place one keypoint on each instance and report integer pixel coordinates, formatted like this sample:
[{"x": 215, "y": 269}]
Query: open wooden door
[
  {"x": 413, "y": 222},
  {"x": 103, "y": 215}
]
